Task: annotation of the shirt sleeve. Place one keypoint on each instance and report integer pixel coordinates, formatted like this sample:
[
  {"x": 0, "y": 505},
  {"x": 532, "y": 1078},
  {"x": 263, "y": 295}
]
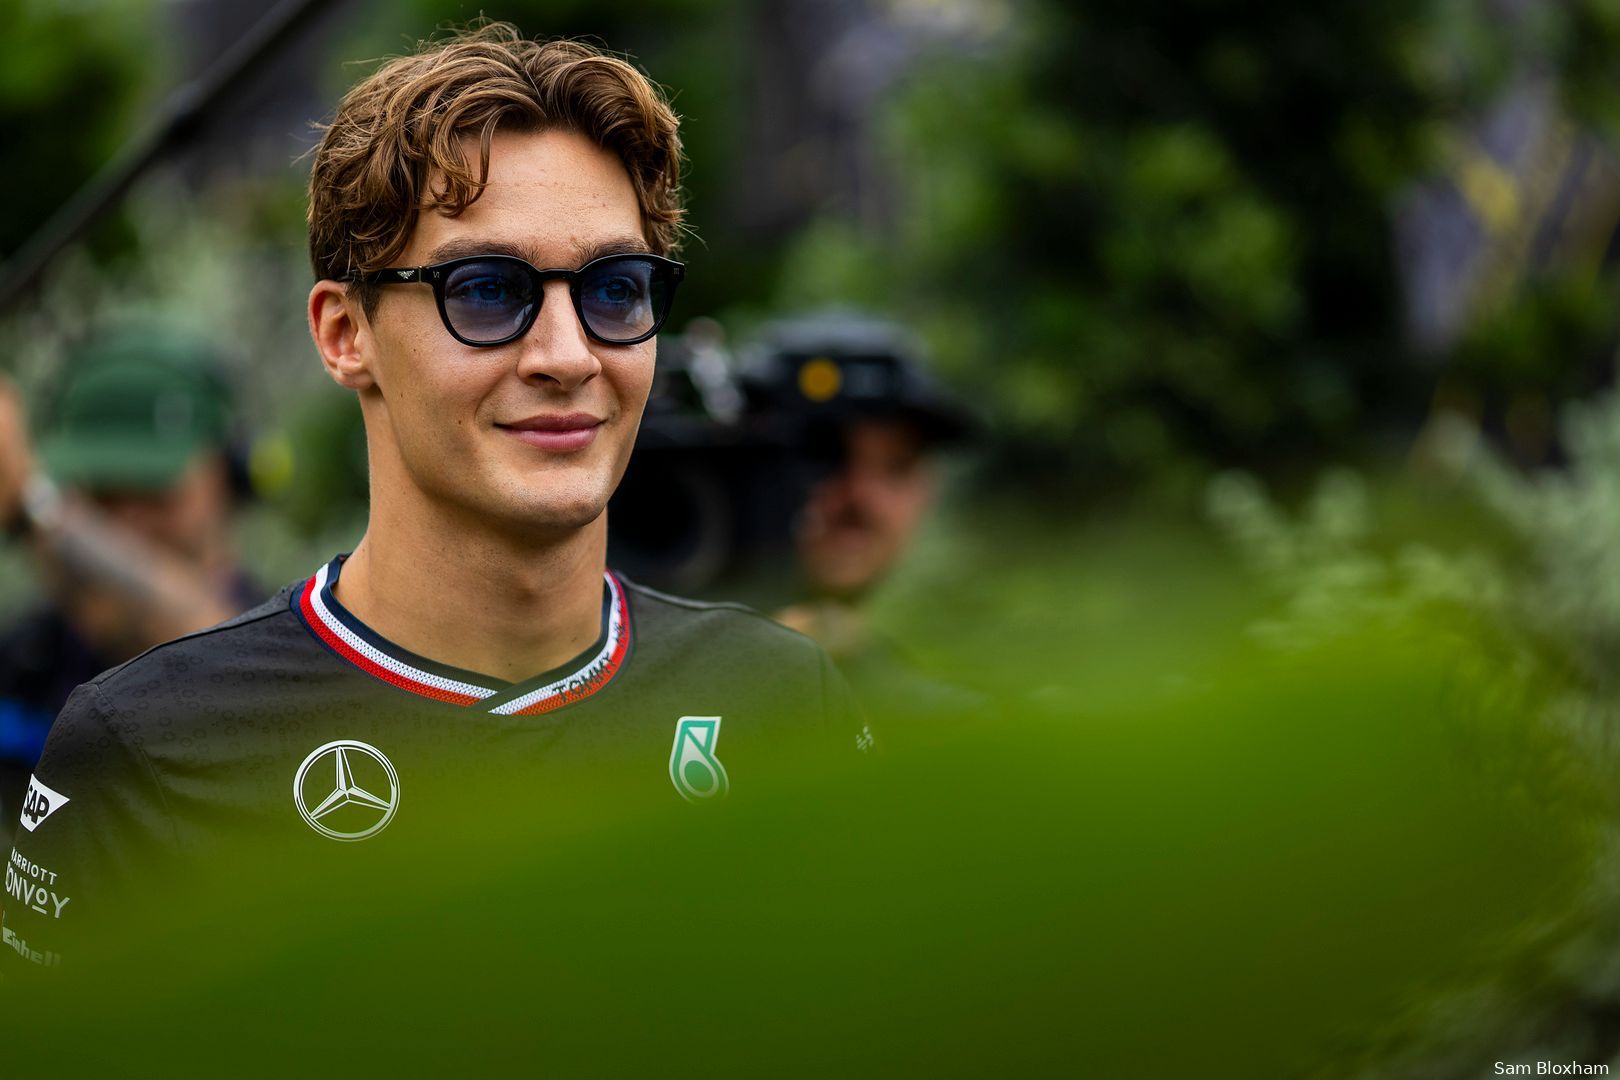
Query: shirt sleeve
[
  {"x": 845, "y": 718},
  {"x": 92, "y": 814}
]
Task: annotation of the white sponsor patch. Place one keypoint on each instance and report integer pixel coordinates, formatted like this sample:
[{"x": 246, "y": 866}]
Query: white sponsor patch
[
  {"x": 44, "y": 959},
  {"x": 40, "y": 803},
  {"x": 34, "y": 895}
]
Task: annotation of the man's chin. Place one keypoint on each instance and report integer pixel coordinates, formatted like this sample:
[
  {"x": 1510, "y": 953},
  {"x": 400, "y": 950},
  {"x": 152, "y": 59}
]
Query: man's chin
[
  {"x": 556, "y": 500},
  {"x": 565, "y": 518},
  {"x": 545, "y": 517},
  {"x": 843, "y": 580}
]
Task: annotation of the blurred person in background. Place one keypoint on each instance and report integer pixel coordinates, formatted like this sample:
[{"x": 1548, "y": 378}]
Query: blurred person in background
[
  {"x": 127, "y": 506},
  {"x": 874, "y": 415}
]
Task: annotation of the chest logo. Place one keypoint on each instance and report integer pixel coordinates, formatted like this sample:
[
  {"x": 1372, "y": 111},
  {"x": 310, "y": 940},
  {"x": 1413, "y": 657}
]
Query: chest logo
[
  {"x": 694, "y": 770},
  {"x": 346, "y": 790},
  {"x": 40, "y": 803}
]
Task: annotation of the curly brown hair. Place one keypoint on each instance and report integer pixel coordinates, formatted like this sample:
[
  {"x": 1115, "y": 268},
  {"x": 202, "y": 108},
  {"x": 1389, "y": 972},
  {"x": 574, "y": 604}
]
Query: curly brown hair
[{"x": 397, "y": 144}]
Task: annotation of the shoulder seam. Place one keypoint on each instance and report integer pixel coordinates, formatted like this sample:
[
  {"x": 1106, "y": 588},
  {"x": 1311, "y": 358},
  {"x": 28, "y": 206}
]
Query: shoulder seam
[
  {"x": 710, "y": 605},
  {"x": 246, "y": 618},
  {"x": 110, "y": 711},
  {"x": 687, "y": 602}
]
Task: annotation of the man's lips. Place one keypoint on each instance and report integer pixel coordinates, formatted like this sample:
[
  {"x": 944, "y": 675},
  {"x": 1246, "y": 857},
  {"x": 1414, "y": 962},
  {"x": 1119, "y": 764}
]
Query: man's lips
[{"x": 570, "y": 431}]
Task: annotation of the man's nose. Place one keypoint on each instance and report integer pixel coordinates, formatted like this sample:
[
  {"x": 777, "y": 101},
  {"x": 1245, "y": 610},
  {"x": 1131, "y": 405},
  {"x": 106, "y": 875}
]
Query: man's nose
[
  {"x": 866, "y": 486},
  {"x": 556, "y": 348}
]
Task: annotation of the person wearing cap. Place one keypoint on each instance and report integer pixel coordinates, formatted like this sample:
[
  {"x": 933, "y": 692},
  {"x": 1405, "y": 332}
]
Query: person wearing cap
[
  {"x": 865, "y": 403},
  {"x": 127, "y": 506}
]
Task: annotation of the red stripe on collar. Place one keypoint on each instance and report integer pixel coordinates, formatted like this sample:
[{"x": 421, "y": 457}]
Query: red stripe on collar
[
  {"x": 331, "y": 634},
  {"x": 591, "y": 677},
  {"x": 597, "y": 674}
]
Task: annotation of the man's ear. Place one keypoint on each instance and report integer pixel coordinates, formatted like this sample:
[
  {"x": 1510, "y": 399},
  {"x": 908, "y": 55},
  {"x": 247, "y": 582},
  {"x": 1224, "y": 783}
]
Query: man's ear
[{"x": 342, "y": 335}]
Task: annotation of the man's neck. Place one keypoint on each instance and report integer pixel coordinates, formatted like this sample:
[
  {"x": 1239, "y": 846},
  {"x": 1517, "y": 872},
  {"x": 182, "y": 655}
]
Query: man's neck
[
  {"x": 838, "y": 624},
  {"x": 497, "y": 604}
]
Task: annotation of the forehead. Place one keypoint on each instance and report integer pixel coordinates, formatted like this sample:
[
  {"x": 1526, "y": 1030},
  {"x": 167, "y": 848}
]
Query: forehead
[
  {"x": 893, "y": 438},
  {"x": 553, "y": 197}
]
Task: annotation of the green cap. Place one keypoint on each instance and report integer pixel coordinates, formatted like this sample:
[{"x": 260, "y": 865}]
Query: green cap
[{"x": 132, "y": 410}]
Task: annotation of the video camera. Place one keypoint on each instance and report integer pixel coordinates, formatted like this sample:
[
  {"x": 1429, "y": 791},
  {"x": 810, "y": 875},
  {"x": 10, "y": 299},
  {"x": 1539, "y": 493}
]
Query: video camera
[{"x": 732, "y": 444}]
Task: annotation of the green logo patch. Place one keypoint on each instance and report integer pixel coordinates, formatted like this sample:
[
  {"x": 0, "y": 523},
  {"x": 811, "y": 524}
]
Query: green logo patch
[{"x": 694, "y": 770}]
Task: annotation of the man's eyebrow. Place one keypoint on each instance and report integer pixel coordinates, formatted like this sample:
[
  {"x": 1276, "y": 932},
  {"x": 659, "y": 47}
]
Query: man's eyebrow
[
  {"x": 618, "y": 245},
  {"x": 465, "y": 246},
  {"x": 462, "y": 247}
]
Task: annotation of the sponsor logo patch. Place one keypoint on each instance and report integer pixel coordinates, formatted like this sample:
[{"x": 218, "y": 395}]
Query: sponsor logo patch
[
  {"x": 40, "y": 803},
  {"x": 32, "y": 885},
  {"x": 34, "y": 956},
  {"x": 693, "y": 768},
  {"x": 346, "y": 790}
]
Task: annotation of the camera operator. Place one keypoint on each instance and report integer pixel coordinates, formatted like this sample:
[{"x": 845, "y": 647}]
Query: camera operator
[{"x": 872, "y": 413}]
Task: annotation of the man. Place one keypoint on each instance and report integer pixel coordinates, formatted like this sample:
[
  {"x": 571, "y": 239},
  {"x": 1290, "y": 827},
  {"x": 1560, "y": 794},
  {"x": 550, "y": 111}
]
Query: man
[
  {"x": 139, "y": 550},
  {"x": 490, "y": 224},
  {"x": 859, "y": 388}
]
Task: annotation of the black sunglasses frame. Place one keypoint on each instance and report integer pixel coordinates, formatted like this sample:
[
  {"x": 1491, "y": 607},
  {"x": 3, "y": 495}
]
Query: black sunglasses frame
[{"x": 438, "y": 273}]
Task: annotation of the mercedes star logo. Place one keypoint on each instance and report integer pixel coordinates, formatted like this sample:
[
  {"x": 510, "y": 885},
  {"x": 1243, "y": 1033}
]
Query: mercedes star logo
[{"x": 353, "y": 810}]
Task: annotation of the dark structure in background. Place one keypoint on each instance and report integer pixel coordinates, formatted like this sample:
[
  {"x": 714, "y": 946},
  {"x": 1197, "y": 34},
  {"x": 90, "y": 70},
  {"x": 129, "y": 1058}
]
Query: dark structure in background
[
  {"x": 712, "y": 483},
  {"x": 706, "y": 506},
  {"x": 731, "y": 447},
  {"x": 254, "y": 80},
  {"x": 249, "y": 74}
]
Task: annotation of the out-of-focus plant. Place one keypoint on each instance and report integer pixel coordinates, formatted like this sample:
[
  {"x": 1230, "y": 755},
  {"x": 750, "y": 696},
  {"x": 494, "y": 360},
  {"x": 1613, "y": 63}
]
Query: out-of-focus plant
[
  {"x": 1148, "y": 237},
  {"x": 1226, "y": 881},
  {"x": 1548, "y": 575},
  {"x": 1567, "y": 521},
  {"x": 70, "y": 88},
  {"x": 1545, "y": 583}
]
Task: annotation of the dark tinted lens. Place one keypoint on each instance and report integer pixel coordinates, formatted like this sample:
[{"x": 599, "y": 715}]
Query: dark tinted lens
[
  {"x": 624, "y": 297},
  {"x": 488, "y": 300}
]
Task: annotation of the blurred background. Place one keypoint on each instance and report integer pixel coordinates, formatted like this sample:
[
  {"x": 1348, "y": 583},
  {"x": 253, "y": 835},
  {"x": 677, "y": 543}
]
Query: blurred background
[{"x": 1272, "y": 329}]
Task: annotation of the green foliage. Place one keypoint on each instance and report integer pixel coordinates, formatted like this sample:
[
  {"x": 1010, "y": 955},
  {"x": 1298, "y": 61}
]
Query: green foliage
[
  {"x": 73, "y": 77},
  {"x": 1545, "y": 570},
  {"x": 1536, "y": 590},
  {"x": 1223, "y": 879},
  {"x": 1566, "y": 521},
  {"x": 1149, "y": 237}
]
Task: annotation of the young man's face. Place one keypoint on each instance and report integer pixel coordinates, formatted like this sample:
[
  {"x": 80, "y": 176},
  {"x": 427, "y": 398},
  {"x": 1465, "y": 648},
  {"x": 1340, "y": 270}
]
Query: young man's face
[{"x": 535, "y": 433}]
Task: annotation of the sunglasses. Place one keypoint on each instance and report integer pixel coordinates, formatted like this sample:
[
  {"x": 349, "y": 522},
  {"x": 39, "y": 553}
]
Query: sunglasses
[{"x": 487, "y": 300}]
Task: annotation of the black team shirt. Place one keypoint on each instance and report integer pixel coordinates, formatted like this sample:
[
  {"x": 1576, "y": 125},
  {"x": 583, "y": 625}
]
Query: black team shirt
[{"x": 296, "y": 721}]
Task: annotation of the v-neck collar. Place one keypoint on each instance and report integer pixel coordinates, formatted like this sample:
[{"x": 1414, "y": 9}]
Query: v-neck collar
[{"x": 353, "y": 641}]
